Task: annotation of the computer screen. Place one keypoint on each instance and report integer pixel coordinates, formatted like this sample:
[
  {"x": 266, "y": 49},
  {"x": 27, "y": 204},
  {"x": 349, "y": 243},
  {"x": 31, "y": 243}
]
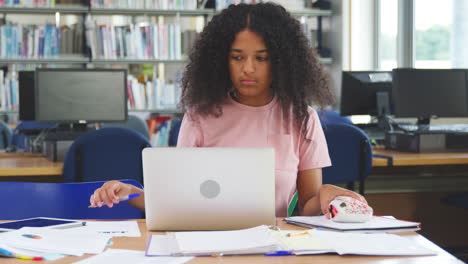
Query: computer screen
[
  {"x": 426, "y": 93},
  {"x": 26, "y": 96},
  {"x": 81, "y": 95},
  {"x": 366, "y": 93}
]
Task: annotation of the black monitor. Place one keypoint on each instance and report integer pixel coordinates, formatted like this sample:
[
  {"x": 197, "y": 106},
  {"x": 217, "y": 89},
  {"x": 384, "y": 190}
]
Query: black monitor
[
  {"x": 81, "y": 95},
  {"x": 426, "y": 93},
  {"x": 26, "y": 96},
  {"x": 366, "y": 93}
]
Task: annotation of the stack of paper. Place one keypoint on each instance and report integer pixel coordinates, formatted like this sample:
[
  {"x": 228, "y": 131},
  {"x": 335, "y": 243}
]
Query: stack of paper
[
  {"x": 262, "y": 240},
  {"x": 376, "y": 224},
  {"x": 257, "y": 240},
  {"x": 53, "y": 241}
]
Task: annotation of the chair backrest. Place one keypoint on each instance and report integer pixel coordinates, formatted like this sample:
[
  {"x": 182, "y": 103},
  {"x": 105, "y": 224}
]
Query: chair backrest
[
  {"x": 61, "y": 200},
  {"x": 333, "y": 117},
  {"x": 112, "y": 153},
  {"x": 351, "y": 155},
  {"x": 174, "y": 131},
  {"x": 5, "y": 135},
  {"x": 133, "y": 122}
]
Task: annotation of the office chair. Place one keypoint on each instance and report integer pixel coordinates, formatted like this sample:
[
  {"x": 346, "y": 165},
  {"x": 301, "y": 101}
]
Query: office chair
[
  {"x": 351, "y": 157},
  {"x": 27, "y": 127},
  {"x": 111, "y": 153},
  {"x": 62, "y": 200},
  {"x": 5, "y": 135},
  {"x": 133, "y": 122},
  {"x": 174, "y": 131},
  {"x": 332, "y": 117}
]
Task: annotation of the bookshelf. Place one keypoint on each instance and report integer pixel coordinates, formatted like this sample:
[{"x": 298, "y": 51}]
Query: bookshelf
[{"x": 86, "y": 59}]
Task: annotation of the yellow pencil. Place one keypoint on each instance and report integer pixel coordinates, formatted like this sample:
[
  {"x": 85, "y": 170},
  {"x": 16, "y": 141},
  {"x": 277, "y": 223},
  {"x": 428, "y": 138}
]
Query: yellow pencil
[{"x": 293, "y": 234}]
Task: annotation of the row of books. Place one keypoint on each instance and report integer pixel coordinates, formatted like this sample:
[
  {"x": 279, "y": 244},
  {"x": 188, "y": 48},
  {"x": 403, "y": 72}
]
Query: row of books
[
  {"x": 8, "y": 92},
  {"x": 147, "y": 4},
  {"x": 141, "y": 41},
  {"x": 152, "y": 94},
  {"x": 38, "y": 3},
  {"x": 221, "y": 4},
  {"x": 37, "y": 41},
  {"x": 160, "y": 131}
]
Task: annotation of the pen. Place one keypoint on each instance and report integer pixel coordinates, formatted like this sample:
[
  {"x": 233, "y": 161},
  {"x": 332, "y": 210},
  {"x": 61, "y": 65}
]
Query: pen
[
  {"x": 123, "y": 198},
  {"x": 280, "y": 253}
]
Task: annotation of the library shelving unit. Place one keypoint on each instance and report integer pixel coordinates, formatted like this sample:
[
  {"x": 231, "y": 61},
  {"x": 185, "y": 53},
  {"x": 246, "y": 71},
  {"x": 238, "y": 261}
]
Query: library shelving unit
[{"x": 85, "y": 60}]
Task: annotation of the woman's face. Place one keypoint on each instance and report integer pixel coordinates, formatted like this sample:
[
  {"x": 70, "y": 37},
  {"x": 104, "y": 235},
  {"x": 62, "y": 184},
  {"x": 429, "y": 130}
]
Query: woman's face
[{"x": 250, "y": 69}]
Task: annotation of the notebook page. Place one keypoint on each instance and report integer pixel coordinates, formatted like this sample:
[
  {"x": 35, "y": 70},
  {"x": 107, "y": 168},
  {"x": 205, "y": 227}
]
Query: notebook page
[
  {"x": 306, "y": 242},
  {"x": 375, "y": 223},
  {"x": 371, "y": 244},
  {"x": 252, "y": 240}
]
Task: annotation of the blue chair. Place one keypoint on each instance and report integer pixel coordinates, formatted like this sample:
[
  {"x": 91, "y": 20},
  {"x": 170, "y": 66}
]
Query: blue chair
[
  {"x": 133, "y": 122},
  {"x": 351, "y": 157},
  {"x": 62, "y": 200},
  {"x": 174, "y": 131},
  {"x": 5, "y": 135},
  {"x": 350, "y": 153},
  {"x": 112, "y": 153},
  {"x": 333, "y": 117}
]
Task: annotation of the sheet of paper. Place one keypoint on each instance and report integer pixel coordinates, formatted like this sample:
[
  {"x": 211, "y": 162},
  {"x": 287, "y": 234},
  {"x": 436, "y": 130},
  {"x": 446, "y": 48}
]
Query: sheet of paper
[
  {"x": 246, "y": 241},
  {"x": 162, "y": 245},
  {"x": 305, "y": 242},
  {"x": 124, "y": 256},
  {"x": 55, "y": 241},
  {"x": 31, "y": 253},
  {"x": 371, "y": 244},
  {"x": 111, "y": 228},
  {"x": 375, "y": 223}
]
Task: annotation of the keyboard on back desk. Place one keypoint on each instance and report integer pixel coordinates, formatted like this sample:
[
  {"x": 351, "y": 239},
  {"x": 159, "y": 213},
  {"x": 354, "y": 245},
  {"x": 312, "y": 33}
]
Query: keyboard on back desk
[{"x": 446, "y": 128}]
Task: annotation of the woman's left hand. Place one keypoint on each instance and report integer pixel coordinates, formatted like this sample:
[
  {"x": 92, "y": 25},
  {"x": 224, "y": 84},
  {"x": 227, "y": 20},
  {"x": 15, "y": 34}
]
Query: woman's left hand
[{"x": 328, "y": 193}]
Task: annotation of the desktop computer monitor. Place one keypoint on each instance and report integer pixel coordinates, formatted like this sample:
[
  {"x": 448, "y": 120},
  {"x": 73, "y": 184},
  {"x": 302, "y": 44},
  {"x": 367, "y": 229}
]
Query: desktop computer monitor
[
  {"x": 26, "y": 96},
  {"x": 426, "y": 93},
  {"x": 80, "y": 96},
  {"x": 366, "y": 93}
]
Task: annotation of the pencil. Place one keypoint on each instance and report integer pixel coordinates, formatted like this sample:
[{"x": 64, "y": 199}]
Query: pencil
[{"x": 303, "y": 232}]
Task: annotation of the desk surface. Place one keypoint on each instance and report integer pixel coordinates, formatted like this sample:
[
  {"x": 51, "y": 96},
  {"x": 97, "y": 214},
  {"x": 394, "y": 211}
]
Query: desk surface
[
  {"x": 139, "y": 243},
  {"x": 27, "y": 164},
  {"x": 418, "y": 159}
]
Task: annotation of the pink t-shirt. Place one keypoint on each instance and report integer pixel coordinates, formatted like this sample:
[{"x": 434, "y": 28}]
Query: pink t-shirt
[{"x": 265, "y": 126}]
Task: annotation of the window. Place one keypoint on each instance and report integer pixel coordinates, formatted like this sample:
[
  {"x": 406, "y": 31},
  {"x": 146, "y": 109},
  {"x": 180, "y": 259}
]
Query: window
[
  {"x": 388, "y": 28},
  {"x": 433, "y": 22}
]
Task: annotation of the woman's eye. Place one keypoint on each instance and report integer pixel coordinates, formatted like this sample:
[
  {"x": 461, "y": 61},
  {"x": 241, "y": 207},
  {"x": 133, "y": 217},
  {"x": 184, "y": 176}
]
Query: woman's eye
[
  {"x": 262, "y": 58},
  {"x": 236, "y": 57}
]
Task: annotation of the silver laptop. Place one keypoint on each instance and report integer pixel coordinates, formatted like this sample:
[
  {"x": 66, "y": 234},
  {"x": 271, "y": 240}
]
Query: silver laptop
[{"x": 208, "y": 188}]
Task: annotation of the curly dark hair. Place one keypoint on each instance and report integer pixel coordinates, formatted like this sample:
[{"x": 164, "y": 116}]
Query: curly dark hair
[{"x": 298, "y": 78}]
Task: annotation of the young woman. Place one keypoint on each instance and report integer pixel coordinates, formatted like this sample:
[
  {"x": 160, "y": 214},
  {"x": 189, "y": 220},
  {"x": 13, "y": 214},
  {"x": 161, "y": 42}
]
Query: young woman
[{"x": 249, "y": 82}]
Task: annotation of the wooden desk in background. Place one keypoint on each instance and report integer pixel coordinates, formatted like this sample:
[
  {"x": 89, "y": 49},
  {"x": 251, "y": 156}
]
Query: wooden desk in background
[
  {"x": 28, "y": 164},
  {"x": 418, "y": 159},
  {"x": 139, "y": 243}
]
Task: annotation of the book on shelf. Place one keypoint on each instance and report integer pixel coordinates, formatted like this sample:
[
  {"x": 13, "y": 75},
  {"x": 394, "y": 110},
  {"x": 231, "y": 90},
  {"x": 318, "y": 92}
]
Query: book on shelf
[
  {"x": 147, "y": 4},
  {"x": 39, "y": 41},
  {"x": 136, "y": 41},
  {"x": 9, "y": 97},
  {"x": 39, "y": 3}
]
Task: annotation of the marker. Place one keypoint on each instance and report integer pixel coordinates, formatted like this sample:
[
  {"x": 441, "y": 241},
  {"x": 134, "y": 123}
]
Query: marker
[
  {"x": 28, "y": 257},
  {"x": 6, "y": 253},
  {"x": 280, "y": 253},
  {"x": 123, "y": 198}
]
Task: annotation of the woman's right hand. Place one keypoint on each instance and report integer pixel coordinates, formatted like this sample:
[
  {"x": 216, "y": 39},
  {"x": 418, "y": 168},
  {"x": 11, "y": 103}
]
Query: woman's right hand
[{"x": 109, "y": 193}]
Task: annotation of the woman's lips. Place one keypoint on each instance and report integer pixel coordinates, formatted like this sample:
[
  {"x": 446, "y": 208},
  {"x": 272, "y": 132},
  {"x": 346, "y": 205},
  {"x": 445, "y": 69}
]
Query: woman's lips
[{"x": 248, "y": 82}]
